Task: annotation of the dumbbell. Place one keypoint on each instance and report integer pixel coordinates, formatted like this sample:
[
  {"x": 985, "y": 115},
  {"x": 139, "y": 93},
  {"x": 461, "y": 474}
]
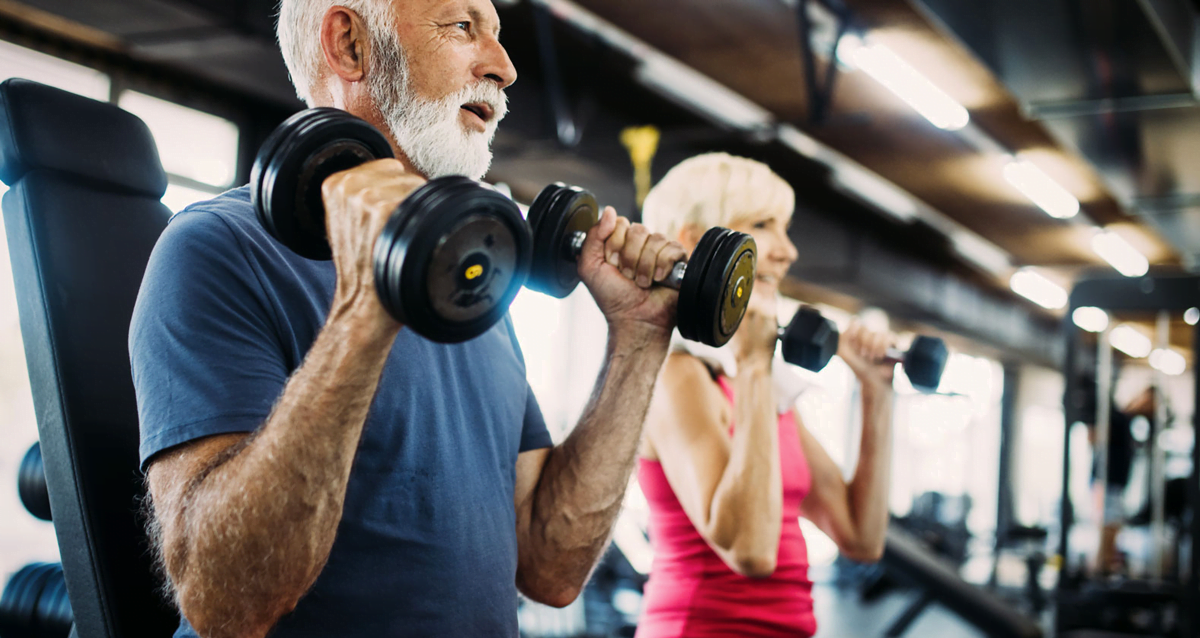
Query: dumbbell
[
  {"x": 810, "y": 340},
  {"x": 449, "y": 260},
  {"x": 714, "y": 284},
  {"x": 35, "y": 603},
  {"x": 31, "y": 483}
]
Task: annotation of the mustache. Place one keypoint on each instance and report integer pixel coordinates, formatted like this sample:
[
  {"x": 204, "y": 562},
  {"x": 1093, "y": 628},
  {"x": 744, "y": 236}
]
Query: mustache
[{"x": 486, "y": 92}]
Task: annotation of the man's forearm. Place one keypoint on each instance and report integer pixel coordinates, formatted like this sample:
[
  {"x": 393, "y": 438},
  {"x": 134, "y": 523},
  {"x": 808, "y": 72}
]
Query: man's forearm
[
  {"x": 869, "y": 487},
  {"x": 583, "y": 482},
  {"x": 251, "y": 533}
]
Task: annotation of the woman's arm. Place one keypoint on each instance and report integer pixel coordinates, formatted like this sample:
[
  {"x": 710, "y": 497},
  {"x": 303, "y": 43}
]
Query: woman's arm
[
  {"x": 854, "y": 514},
  {"x": 730, "y": 487}
]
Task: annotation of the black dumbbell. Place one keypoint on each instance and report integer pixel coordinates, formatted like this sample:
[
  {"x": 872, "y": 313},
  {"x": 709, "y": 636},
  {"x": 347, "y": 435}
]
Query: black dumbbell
[
  {"x": 450, "y": 259},
  {"x": 31, "y": 483},
  {"x": 810, "y": 340},
  {"x": 35, "y": 603},
  {"x": 714, "y": 284}
]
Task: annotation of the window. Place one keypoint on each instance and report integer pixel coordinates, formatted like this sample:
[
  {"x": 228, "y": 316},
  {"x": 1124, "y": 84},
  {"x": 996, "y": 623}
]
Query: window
[
  {"x": 23, "y": 538},
  {"x": 20, "y": 62},
  {"x": 198, "y": 150}
]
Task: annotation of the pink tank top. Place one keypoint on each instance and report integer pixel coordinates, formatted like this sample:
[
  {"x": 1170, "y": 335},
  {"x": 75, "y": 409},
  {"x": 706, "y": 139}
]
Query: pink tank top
[{"x": 693, "y": 593}]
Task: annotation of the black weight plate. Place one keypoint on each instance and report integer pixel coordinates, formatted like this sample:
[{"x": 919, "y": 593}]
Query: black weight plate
[
  {"x": 16, "y": 614},
  {"x": 691, "y": 325},
  {"x": 18, "y": 604},
  {"x": 428, "y": 262},
  {"x": 31, "y": 483},
  {"x": 264, "y": 172},
  {"x": 810, "y": 340},
  {"x": 54, "y": 616},
  {"x": 725, "y": 291},
  {"x": 925, "y": 361},
  {"x": 557, "y": 213},
  {"x": 739, "y": 273},
  {"x": 294, "y": 162}
]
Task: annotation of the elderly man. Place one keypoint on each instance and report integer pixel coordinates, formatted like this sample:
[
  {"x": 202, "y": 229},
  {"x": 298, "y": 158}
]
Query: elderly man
[{"x": 314, "y": 468}]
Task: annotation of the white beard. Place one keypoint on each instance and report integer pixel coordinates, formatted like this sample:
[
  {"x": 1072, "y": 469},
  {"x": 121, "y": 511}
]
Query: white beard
[{"x": 429, "y": 131}]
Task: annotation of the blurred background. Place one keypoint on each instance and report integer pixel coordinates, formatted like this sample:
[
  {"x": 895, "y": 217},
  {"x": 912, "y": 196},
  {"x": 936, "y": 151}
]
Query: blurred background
[{"x": 959, "y": 166}]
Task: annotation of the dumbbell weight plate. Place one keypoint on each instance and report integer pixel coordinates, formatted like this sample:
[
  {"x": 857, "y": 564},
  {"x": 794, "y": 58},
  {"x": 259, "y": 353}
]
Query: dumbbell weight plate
[
  {"x": 557, "y": 213},
  {"x": 925, "y": 361},
  {"x": 717, "y": 286},
  {"x": 810, "y": 340},
  {"x": 452, "y": 258},
  {"x": 31, "y": 483},
  {"x": 18, "y": 604},
  {"x": 294, "y": 162},
  {"x": 53, "y": 614}
]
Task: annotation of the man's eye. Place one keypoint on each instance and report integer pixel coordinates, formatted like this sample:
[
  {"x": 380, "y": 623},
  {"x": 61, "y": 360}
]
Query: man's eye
[{"x": 465, "y": 26}]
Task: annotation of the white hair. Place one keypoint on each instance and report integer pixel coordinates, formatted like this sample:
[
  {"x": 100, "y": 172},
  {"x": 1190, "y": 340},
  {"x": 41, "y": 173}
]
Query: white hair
[
  {"x": 714, "y": 189},
  {"x": 298, "y": 30}
]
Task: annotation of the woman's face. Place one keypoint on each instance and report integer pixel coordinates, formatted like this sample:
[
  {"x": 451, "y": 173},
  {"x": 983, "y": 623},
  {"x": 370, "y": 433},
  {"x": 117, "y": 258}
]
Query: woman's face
[{"x": 775, "y": 249}]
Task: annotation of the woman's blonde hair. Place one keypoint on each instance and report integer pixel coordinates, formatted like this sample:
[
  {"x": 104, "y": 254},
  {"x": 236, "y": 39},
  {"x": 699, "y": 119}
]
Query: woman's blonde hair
[{"x": 714, "y": 189}]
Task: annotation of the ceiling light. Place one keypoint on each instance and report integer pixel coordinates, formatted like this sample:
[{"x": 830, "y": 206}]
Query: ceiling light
[
  {"x": 876, "y": 192},
  {"x": 980, "y": 252},
  {"x": 701, "y": 94},
  {"x": 1130, "y": 341},
  {"x": 1119, "y": 253},
  {"x": 1168, "y": 361},
  {"x": 847, "y": 47},
  {"x": 1041, "y": 189},
  {"x": 1036, "y": 288},
  {"x": 1090, "y": 318},
  {"x": 1191, "y": 316},
  {"x": 886, "y": 68}
]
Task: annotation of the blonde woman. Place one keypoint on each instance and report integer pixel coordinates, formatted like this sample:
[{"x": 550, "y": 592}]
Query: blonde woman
[{"x": 726, "y": 464}]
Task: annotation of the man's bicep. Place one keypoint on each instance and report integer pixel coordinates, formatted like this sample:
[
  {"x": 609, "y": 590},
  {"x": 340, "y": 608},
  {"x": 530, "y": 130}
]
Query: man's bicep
[
  {"x": 205, "y": 355},
  {"x": 529, "y": 472}
]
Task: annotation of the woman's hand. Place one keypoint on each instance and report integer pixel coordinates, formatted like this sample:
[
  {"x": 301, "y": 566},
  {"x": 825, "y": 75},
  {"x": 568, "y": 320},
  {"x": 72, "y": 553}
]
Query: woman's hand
[
  {"x": 865, "y": 351},
  {"x": 754, "y": 341}
]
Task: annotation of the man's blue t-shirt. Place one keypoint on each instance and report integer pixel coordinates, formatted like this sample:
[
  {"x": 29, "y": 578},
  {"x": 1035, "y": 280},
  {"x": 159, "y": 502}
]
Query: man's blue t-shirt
[{"x": 427, "y": 542}]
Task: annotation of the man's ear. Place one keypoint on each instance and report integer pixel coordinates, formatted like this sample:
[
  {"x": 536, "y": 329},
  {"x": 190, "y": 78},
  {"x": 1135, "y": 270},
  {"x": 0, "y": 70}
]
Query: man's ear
[{"x": 344, "y": 43}]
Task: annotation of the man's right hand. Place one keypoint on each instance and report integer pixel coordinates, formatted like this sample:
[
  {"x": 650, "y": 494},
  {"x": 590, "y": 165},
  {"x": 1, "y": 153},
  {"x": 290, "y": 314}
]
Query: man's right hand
[{"x": 358, "y": 203}]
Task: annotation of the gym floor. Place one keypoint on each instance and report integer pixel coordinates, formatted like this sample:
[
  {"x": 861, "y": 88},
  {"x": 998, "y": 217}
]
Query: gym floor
[{"x": 841, "y": 613}]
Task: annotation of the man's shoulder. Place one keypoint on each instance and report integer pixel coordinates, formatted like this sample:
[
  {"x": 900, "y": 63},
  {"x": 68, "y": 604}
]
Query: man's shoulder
[
  {"x": 229, "y": 211},
  {"x": 224, "y": 225}
]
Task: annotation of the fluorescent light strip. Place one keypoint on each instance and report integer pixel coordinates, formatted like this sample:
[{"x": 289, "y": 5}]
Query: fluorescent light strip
[
  {"x": 1090, "y": 318},
  {"x": 738, "y": 112},
  {"x": 1041, "y": 189},
  {"x": 1119, "y": 253},
  {"x": 1035, "y": 287},
  {"x": 876, "y": 192},
  {"x": 886, "y": 68},
  {"x": 1128, "y": 340},
  {"x": 1168, "y": 362}
]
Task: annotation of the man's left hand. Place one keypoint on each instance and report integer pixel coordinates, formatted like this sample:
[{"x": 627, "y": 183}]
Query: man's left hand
[{"x": 619, "y": 263}]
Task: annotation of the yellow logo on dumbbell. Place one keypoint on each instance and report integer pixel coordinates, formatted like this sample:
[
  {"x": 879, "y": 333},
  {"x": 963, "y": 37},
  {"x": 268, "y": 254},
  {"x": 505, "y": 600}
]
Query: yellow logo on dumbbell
[
  {"x": 739, "y": 292},
  {"x": 474, "y": 271}
]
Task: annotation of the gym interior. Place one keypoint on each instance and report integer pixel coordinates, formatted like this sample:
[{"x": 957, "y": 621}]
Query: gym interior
[{"x": 1007, "y": 180}]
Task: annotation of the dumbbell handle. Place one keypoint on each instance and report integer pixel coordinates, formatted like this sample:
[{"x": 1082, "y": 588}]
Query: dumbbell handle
[{"x": 673, "y": 280}]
